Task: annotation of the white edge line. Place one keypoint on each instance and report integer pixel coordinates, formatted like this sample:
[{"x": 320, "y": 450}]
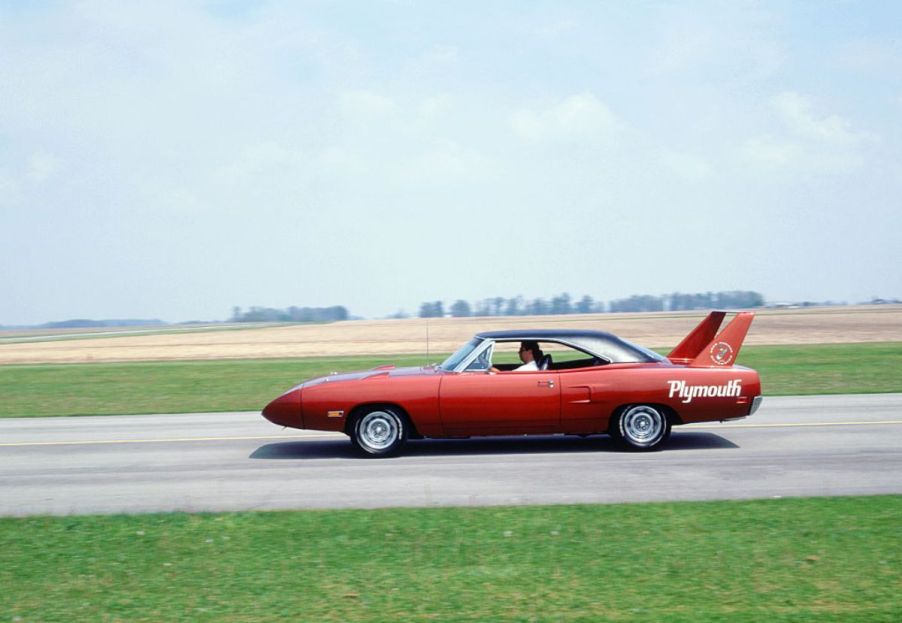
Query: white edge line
[
  {"x": 166, "y": 440},
  {"x": 326, "y": 435}
]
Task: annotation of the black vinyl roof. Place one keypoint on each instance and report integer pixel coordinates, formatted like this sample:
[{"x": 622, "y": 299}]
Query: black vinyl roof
[
  {"x": 526, "y": 334},
  {"x": 599, "y": 343}
]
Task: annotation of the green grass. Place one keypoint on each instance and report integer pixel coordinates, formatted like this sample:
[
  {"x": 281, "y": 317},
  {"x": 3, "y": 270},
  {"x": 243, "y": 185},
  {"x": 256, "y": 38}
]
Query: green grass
[
  {"x": 827, "y": 559},
  {"x": 162, "y": 387},
  {"x": 247, "y": 385},
  {"x": 827, "y": 368}
]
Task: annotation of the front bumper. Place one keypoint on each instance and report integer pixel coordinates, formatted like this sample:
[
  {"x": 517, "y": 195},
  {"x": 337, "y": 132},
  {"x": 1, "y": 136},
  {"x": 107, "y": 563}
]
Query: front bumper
[{"x": 286, "y": 410}]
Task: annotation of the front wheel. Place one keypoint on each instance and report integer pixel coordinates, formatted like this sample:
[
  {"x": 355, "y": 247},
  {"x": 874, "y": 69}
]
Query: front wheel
[
  {"x": 640, "y": 427},
  {"x": 379, "y": 432}
]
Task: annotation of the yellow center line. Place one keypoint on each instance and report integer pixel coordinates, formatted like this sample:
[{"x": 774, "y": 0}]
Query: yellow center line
[
  {"x": 166, "y": 440},
  {"x": 326, "y": 435},
  {"x": 796, "y": 425}
]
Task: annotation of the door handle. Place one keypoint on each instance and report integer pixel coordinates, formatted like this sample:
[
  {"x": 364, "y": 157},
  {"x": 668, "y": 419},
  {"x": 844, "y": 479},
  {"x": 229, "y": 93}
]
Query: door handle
[{"x": 546, "y": 384}]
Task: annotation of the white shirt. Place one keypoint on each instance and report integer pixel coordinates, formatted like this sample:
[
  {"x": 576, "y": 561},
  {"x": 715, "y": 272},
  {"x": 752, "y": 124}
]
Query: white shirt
[{"x": 530, "y": 366}]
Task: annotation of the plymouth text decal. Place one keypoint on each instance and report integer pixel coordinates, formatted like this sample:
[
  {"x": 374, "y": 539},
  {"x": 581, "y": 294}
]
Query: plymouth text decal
[{"x": 687, "y": 392}]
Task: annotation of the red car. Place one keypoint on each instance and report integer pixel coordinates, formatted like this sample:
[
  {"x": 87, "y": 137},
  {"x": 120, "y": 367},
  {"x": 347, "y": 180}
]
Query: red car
[{"x": 578, "y": 382}]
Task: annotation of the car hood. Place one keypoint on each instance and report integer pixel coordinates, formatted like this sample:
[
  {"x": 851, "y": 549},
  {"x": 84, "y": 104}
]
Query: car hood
[{"x": 381, "y": 371}]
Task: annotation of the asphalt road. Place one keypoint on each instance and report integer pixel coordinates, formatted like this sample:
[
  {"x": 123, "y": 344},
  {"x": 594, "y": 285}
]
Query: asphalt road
[{"x": 794, "y": 446}]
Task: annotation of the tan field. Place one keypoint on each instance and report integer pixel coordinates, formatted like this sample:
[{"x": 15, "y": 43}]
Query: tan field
[{"x": 408, "y": 336}]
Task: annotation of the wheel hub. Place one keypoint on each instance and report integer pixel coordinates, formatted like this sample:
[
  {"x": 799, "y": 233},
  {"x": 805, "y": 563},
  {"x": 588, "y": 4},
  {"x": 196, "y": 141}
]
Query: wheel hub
[
  {"x": 642, "y": 424},
  {"x": 378, "y": 431}
]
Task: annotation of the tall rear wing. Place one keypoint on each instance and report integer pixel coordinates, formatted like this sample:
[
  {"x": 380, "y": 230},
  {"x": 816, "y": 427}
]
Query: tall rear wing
[{"x": 704, "y": 347}]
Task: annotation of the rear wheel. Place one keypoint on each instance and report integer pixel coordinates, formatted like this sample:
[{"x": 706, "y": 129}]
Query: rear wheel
[
  {"x": 379, "y": 432},
  {"x": 640, "y": 427}
]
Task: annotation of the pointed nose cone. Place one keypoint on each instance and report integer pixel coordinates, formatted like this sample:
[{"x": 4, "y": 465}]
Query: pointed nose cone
[{"x": 285, "y": 410}]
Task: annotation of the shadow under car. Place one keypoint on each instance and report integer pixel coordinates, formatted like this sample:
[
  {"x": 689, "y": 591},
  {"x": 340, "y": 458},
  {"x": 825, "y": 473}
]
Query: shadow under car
[{"x": 520, "y": 444}]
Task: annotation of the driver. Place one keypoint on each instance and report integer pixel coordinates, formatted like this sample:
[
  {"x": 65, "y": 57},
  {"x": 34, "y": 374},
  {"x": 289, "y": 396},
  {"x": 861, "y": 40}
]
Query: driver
[{"x": 530, "y": 355}]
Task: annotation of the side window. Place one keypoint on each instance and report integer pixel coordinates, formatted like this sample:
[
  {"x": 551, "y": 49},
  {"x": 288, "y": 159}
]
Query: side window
[
  {"x": 506, "y": 355},
  {"x": 565, "y": 357}
]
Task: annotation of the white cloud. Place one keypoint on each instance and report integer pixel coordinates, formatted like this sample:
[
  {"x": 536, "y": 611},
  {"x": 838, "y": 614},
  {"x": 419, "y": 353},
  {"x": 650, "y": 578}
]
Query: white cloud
[
  {"x": 434, "y": 107},
  {"x": 8, "y": 187},
  {"x": 796, "y": 113},
  {"x": 259, "y": 163},
  {"x": 771, "y": 151},
  {"x": 808, "y": 141},
  {"x": 366, "y": 106},
  {"x": 576, "y": 118},
  {"x": 446, "y": 162},
  {"x": 340, "y": 161},
  {"x": 411, "y": 142},
  {"x": 27, "y": 175},
  {"x": 438, "y": 57},
  {"x": 42, "y": 166},
  {"x": 800, "y": 156},
  {"x": 689, "y": 167}
]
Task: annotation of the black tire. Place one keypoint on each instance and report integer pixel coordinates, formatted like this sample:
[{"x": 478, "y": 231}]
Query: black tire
[
  {"x": 379, "y": 432},
  {"x": 640, "y": 428}
]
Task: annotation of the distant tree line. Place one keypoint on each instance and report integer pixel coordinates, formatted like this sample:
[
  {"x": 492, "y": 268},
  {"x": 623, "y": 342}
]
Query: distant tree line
[
  {"x": 735, "y": 299},
  {"x": 564, "y": 304},
  {"x": 292, "y": 314}
]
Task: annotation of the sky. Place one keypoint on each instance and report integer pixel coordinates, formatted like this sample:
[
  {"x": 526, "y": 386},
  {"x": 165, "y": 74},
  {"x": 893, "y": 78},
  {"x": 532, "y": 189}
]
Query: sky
[{"x": 173, "y": 160}]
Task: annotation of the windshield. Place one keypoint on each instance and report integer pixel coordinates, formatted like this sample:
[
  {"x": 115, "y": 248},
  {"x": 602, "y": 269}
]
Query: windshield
[{"x": 454, "y": 360}]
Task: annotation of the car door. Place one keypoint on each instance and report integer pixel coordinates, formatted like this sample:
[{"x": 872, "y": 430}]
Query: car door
[{"x": 483, "y": 403}]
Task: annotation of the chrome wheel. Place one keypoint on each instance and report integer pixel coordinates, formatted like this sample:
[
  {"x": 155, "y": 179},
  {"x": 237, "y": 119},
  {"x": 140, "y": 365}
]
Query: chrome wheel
[
  {"x": 379, "y": 432},
  {"x": 642, "y": 427}
]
